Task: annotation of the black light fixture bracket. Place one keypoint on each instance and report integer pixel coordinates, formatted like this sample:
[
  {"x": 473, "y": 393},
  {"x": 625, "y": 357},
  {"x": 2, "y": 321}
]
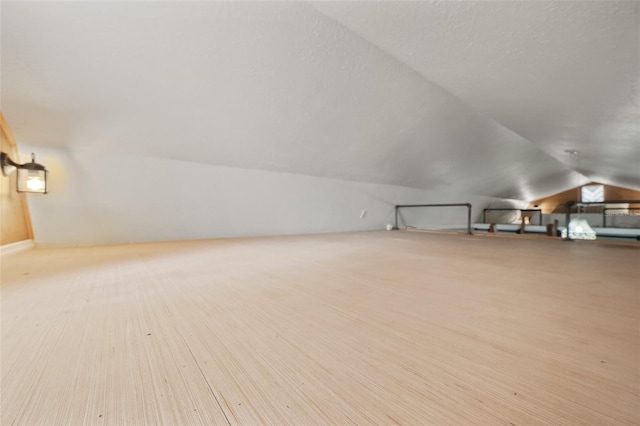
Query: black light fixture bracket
[{"x": 7, "y": 162}]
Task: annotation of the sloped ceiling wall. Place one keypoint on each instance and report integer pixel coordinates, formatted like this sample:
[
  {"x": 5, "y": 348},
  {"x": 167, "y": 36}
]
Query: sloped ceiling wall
[
  {"x": 324, "y": 90},
  {"x": 564, "y": 75}
]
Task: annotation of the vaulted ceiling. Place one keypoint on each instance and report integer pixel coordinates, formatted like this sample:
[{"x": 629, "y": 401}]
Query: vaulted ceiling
[{"x": 480, "y": 97}]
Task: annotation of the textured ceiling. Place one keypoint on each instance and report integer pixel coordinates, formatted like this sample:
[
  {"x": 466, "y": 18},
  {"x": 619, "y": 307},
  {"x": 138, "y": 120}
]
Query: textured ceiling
[
  {"x": 564, "y": 75},
  {"x": 448, "y": 96}
]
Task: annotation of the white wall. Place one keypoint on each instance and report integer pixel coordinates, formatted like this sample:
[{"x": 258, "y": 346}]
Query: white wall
[{"x": 103, "y": 199}]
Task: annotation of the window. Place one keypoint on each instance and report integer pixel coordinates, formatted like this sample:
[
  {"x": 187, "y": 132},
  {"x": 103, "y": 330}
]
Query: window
[{"x": 592, "y": 194}]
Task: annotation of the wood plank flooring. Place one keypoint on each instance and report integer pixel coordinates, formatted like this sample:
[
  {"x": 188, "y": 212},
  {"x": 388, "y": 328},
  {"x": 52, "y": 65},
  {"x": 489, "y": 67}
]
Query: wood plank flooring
[{"x": 357, "y": 328}]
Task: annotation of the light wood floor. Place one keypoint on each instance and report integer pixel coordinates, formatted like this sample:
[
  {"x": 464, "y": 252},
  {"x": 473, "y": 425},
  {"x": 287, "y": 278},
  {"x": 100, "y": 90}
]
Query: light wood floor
[{"x": 364, "y": 328}]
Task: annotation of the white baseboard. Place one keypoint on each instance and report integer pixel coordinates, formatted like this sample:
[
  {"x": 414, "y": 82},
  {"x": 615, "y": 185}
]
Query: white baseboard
[{"x": 13, "y": 248}]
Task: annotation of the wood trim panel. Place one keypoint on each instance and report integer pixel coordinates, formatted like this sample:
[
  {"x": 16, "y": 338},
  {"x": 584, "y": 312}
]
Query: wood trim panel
[{"x": 16, "y": 222}]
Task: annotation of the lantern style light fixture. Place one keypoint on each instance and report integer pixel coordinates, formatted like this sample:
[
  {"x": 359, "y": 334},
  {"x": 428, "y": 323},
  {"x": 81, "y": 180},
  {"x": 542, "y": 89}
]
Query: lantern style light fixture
[{"x": 32, "y": 177}]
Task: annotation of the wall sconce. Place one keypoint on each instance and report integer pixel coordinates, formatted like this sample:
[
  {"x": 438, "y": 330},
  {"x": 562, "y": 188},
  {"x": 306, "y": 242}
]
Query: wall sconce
[{"x": 32, "y": 177}]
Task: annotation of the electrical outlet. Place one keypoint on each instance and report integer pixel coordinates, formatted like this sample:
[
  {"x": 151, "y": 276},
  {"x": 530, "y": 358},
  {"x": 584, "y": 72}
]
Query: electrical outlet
[{"x": 363, "y": 214}]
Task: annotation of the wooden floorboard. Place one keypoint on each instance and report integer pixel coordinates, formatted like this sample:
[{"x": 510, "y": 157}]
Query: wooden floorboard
[{"x": 356, "y": 328}]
